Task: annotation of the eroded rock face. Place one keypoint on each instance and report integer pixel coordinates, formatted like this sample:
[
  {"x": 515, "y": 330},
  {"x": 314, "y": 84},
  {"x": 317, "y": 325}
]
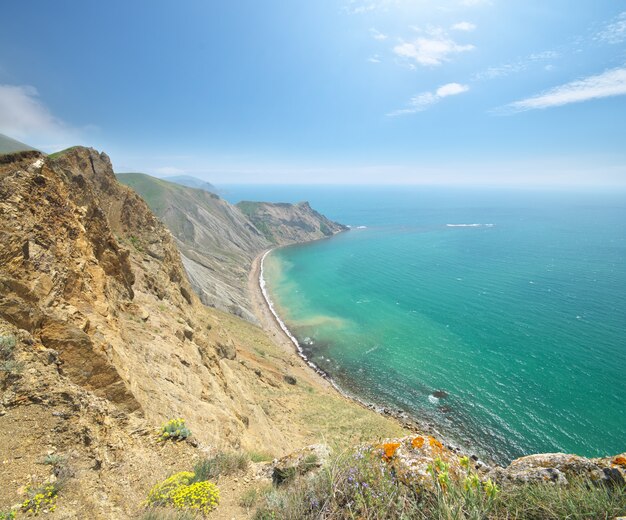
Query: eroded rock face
[{"x": 93, "y": 275}]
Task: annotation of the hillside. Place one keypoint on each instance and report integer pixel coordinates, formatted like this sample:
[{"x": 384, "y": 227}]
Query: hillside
[
  {"x": 283, "y": 223},
  {"x": 103, "y": 340},
  {"x": 191, "y": 182},
  {"x": 9, "y": 145},
  {"x": 218, "y": 241}
]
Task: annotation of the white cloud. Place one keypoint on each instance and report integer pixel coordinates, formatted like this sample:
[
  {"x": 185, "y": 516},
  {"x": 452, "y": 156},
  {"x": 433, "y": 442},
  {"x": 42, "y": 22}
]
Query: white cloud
[
  {"x": 464, "y": 26},
  {"x": 377, "y": 35},
  {"x": 431, "y": 50},
  {"x": 608, "y": 84},
  {"x": 425, "y": 100},
  {"x": 451, "y": 89},
  {"x": 615, "y": 32},
  {"x": 23, "y": 116},
  {"x": 374, "y": 59}
]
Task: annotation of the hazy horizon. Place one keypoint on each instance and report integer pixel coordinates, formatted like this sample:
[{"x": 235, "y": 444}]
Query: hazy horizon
[{"x": 378, "y": 92}]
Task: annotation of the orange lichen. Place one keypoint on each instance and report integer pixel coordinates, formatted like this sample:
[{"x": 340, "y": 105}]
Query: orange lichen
[
  {"x": 620, "y": 460},
  {"x": 418, "y": 442},
  {"x": 435, "y": 444},
  {"x": 389, "y": 450}
]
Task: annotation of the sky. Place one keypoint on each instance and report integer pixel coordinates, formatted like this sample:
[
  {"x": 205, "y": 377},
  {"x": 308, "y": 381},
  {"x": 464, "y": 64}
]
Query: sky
[{"x": 479, "y": 92}]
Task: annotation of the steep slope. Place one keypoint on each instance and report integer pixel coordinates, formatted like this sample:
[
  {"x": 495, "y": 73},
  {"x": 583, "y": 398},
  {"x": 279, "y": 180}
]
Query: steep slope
[
  {"x": 109, "y": 341},
  {"x": 216, "y": 240},
  {"x": 283, "y": 223},
  {"x": 9, "y": 145}
]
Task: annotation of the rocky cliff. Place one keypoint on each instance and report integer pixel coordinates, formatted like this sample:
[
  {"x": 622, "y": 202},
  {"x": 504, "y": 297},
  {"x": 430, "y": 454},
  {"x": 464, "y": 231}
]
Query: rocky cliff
[
  {"x": 218, "y": 241},
  {"x": 283, "y": 223},
  {"x": 103, "y": 339}
]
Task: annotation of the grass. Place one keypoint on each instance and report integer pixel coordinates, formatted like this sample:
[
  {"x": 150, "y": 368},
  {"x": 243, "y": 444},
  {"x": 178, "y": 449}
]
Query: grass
[
  {"x": 222, "y": 464},
  {"x": 260, "y": 456},
  {"x": 358, "y": 485}
]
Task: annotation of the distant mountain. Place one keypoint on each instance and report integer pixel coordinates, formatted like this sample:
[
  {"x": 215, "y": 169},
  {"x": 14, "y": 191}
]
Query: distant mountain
[
  {"x": 9, "y": 145},
  {"x": 192, "y": 182}
]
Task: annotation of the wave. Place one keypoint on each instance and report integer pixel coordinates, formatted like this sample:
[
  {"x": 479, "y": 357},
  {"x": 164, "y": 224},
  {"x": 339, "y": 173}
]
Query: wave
[{"x": 470, "y": 225}]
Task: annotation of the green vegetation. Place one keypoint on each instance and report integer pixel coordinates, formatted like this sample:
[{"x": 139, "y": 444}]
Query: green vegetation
[
  {"x": 175, "y": 430},
  {"x": 40, "y": 499},
  {"x": 58, "y": 154},
  {"x": 8, "y": 364},
  {"x": 9, "y": 145},
  {"x": 361, "y": 485},
  {"x": 221, "y": 464},
  {"x": 7, "y": 515},
  {"x": 183, "y": 492},
  {"x": 260, "y": 456}
]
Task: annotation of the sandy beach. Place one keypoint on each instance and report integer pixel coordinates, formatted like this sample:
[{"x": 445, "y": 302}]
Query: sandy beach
[{"x": 269, "y": 323}]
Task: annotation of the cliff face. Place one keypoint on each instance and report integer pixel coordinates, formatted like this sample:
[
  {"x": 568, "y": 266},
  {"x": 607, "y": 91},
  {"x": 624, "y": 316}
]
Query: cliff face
[
  {"x": 218, "y": 241},
  {"x": 110, "y": 341},
  {"x": 284, "y": 224}
]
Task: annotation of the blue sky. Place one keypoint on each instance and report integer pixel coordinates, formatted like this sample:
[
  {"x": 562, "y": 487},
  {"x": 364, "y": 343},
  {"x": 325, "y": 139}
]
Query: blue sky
[{"x": 342, "y": 91}]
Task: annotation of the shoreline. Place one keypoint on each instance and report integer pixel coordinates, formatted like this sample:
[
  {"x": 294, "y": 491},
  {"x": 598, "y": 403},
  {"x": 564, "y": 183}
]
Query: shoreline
[{"x": 271, "y": 322}]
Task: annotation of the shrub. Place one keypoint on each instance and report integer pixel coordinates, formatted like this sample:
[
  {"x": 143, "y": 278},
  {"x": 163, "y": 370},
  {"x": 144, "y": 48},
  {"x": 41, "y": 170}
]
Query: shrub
[
  {"x": 220, "y": 465},
  {"x": 7, "y": 515},
  {"x": 7, "y": 345},
  {"x": 10, "y": 366},
  {"x": 160, "y": 494},
  {"x": 40, "y": 498},
  {"x": 174, "y": 429},
  {"x": 199, "y": 496},
  {"x": 181, "y": 492}
]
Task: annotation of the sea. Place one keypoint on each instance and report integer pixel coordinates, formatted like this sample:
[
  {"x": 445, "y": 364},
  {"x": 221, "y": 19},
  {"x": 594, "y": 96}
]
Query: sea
[{"x": 497, "y": 317}]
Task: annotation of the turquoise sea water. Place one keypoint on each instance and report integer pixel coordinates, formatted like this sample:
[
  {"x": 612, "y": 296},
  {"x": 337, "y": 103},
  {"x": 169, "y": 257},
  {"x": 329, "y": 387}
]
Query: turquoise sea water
[{"x": 520, "y": 321}]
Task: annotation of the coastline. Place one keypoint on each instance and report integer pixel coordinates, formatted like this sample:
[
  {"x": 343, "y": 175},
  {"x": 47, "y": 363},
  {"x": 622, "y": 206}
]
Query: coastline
[{"x": 272, "y": 323}]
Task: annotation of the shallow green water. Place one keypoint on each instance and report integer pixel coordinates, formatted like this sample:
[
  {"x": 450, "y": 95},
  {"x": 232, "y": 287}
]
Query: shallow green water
[{"x": 521, "y": 322}]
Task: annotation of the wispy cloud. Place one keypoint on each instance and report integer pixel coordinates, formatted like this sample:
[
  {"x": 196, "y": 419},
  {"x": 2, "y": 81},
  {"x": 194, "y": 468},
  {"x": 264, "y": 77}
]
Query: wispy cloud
[
  {"x": 608, "y": 84},
  {"x": 24, "y": 116},
  {"x": 431, "y": 50},
  {"x": 615, "y": 31},
  {"x": 464, "y": 26},
  {"x": 374, "y": 59},
  {"x": 425, "y": 100},
  {"x": 514, "y": 67},
  {"x": 377, "y": 35}
]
